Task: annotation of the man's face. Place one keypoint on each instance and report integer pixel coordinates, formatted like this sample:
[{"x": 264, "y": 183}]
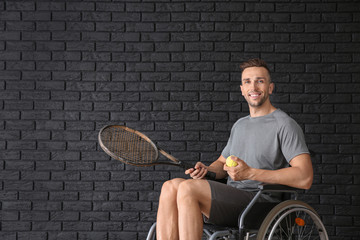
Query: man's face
[{"x": 256, "y": 86}]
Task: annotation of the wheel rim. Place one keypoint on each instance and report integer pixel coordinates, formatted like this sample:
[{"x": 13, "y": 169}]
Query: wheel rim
[{"x": 297, "y": 224}]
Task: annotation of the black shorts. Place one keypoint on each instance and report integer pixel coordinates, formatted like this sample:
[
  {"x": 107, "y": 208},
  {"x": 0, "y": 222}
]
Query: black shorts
[{"x": 227, "y": 203}]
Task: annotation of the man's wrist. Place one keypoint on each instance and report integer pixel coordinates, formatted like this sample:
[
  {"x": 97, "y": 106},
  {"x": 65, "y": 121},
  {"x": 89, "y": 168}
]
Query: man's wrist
[{"x": 251, "y": 173}]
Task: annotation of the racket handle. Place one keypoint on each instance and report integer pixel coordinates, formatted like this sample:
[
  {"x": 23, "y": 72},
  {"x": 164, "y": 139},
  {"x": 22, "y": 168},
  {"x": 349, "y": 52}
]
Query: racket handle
[{"x": 209, "y": 175}]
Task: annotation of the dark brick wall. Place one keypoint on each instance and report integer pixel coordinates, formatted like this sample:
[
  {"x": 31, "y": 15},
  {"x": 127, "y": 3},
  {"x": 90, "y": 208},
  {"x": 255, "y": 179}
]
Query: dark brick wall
[{"x": 170, "y": 69}]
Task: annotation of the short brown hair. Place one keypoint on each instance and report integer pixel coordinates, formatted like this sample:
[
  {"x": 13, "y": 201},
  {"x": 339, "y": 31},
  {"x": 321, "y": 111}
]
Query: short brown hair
[{"x": 255, "y": 62}]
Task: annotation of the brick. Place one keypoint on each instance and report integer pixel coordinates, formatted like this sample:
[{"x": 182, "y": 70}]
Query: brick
[
  {"x": 338, "y": 58},
  {"x": 130, "y": 206},
  {"x": 57, "y": 6},
  {"x": 139, "y": 27},
  {"x": 17, "y": 226},
  {"x": 28, "y": 6},
  {"x": 336, "y": 200},
  {"x": 65, "y": 36},
  {"x": 41, "y": 56},
  {"x": 9, "y": 216},
  {"x": 9, "y": 55},
  {"x": 50, "y": 26},
  {"x": 20, "y": 125},
  {"x": 138, "y": 67},
  {"x": 207, "y": 66},
  {"x": 34, "y": 216},
  {"x": 66, "y": 16},
  {"x": 169, "y": 27},
  {"x": 107, "y": 206},
  {"x": 10, "y": 175},
  {"x": 110, "y": 7},
  {"x": 97, "y": 176},
  {"x": 131, "y": 216},
  {"x": 338, "y": 220},
  {"x": 96, "y": 16},
  {"x": 157, "y": 17},
  {"x": 110, "y": 26},
  {"x": 331, "y": 98},
  {"x": 15, "y": 65},
  {"x": 20, "y": 46},
  {"x": 16, "y": 205},
  {"x": 77, "y": 6},
  {"x": 346, "y": 210},
  {"x": 251, "y": 47},
  {"x": 106, "y": 226},
  {"x": 122, "y": 235},
  {"x": 319, "y": 27},
  {"x": 10, "y": 16},
  {"x": 77, "y": 26},
  {"x": 79, "y": 226},
  {"x": 10, "y": 75},
  {"x": 97, "y": 76},
  {"x": 130, "y": 96},
  {"x": 292, "y": 48}
]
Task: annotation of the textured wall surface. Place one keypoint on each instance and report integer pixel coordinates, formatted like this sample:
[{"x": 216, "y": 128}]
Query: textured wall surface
[{"x": 169, "y": 69}]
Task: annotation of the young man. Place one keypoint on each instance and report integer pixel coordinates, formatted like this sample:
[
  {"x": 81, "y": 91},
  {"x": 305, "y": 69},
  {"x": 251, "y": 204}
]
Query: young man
[{"x": 264, "y": 143}]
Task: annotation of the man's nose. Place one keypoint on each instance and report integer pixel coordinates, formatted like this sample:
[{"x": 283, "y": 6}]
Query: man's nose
[{"x": 254, "y": 85}]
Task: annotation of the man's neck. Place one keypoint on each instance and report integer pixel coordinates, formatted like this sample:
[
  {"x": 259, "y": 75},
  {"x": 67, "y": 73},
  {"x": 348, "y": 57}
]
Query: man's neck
[{"x": 262, "y": 110}]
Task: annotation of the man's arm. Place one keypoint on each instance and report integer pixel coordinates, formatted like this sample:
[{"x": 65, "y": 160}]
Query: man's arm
[
  {"x": 299, "y": 175},
  {"x": 218, "y": 168}
]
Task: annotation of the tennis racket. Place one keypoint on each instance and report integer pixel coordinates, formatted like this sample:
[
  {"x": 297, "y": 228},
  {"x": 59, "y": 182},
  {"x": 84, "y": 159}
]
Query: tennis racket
[{"x": 135, "y": 148}]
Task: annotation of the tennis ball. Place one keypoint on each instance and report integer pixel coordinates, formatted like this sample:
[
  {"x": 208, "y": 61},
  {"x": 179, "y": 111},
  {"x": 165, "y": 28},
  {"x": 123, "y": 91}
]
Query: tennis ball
[{"x": 230, "y": 162}]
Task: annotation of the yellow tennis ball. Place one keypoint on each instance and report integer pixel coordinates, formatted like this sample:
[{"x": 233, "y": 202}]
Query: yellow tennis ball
[{"x": 230, "y": 162}]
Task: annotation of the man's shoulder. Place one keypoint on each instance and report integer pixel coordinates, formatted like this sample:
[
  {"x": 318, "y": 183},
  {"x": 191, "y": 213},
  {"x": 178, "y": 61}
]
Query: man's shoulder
[
  {"x": 278, "y": 113},
  {"x": 282, "y": 116},
  {"x": 283, "y": 119}
]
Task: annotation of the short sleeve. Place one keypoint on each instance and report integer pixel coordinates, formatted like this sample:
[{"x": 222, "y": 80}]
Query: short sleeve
[{"x": 292, "y": 140}]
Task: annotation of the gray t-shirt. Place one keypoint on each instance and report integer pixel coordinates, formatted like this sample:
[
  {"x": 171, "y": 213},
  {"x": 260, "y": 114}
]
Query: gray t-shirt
[{"x": 266, "y": 142}]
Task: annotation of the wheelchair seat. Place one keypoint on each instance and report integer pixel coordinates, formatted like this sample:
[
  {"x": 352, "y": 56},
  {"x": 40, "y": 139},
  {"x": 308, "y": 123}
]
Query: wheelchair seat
[{"x": 290, "y": 219}]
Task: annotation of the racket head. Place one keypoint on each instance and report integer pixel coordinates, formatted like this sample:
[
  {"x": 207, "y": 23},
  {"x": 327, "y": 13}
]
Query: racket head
[{"x": 128, "y": 145}]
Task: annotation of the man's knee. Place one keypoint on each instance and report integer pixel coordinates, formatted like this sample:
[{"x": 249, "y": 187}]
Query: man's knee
[
  {"x": 194, "y": 191},
  {"x": 170, "y": 187},
  {"x": 187, "y": 189}
]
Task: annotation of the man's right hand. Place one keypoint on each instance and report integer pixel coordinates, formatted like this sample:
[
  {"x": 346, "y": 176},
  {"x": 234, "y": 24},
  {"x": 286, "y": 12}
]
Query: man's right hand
[{"x": 198, "y": 171}]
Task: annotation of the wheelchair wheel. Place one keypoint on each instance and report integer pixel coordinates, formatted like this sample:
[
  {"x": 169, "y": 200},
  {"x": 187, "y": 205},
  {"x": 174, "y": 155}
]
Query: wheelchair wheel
[
  {"x": 292, "y": 219},
  {"x": 152, "y": 232}
]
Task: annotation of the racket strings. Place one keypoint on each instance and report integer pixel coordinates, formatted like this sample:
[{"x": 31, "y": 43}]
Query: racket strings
[{"x": 129, "y": 146}]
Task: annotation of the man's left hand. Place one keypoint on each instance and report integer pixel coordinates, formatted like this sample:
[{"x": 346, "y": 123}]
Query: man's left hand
[{"x": 240, "y": 171}]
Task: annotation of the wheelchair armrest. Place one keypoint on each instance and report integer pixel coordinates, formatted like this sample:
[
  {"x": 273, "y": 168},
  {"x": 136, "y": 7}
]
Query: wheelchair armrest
[
  {"x": 287, "y": 190},
  {"x": 266, "y": 187}
]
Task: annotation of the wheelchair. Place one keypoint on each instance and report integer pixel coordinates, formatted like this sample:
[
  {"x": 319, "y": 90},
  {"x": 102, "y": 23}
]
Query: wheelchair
[{"x": 289, "y": 219}]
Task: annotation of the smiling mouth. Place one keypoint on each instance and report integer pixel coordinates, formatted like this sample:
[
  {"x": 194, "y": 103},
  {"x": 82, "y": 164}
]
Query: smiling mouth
[{"x": 254, "y": 95}]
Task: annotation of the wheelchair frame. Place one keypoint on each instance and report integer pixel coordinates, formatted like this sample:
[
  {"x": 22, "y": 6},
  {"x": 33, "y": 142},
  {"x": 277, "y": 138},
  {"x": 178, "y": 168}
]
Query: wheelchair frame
[{"x": 272, "y": 225}]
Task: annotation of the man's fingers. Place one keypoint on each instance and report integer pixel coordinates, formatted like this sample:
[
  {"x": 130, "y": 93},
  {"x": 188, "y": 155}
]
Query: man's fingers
[
  {"x": 189, "y": 171},
  {"x": 198, "y": 173}
]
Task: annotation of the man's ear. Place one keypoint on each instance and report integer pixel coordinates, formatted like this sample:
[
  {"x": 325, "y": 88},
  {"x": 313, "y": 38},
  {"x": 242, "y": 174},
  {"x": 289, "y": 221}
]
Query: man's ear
[{"x": 271, "y": 88}]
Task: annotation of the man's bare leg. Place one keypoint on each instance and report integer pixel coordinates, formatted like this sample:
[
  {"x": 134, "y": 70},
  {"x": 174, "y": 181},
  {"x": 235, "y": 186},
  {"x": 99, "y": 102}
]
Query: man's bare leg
[
  {"x": 193, "y": 200},
  {"x": 167, "y": 215}
]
